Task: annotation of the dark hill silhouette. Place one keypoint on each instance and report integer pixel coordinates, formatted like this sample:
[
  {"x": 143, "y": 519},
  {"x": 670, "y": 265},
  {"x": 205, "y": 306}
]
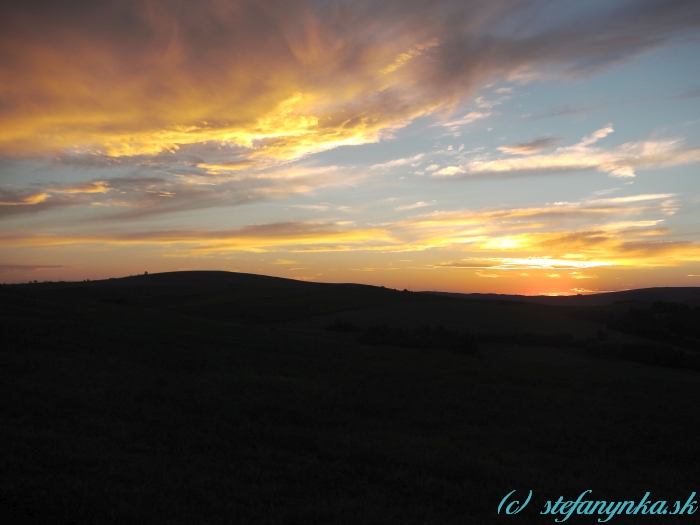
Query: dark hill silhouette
[
  {"x": 231, "y": 296},
  {"x": 193, "y": 278},
  {"x": 219, "y": 397},
  {"x": 208, "y": 278}
]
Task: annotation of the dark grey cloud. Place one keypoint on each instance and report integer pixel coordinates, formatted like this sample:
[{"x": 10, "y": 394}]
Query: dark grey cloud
[
  {"x": 274, "y": 230},
  {"x": 562, "y": 110},
  {"x": 178, "y": 190},
  {"x": 533, "y": 146},
  {"x": 693, "y": 93}
]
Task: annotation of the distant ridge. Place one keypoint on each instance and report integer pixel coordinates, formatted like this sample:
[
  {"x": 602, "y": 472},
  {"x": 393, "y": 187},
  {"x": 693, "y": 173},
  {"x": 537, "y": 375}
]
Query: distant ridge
[
  {"x": 688, "y": 295},
  {"x": 211, "y": 278},
  {"x": 204, "y": 278},
  {"x": 220, "y": 278}
]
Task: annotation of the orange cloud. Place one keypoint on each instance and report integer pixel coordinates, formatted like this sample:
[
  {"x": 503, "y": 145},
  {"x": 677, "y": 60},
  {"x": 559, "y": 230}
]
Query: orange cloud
[
  {"x": 27, "y": 200},
  {"x": 88, "y": 187},
  {"x": 567, "y": 236},
  {"x": 262, "y": 237},
  {"x": 229, "y": 73},
  {"x": 275, "y": 79}
]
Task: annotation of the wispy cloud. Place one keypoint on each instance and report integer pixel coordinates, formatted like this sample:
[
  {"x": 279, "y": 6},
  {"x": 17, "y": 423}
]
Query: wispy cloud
[
  {"x": 23, "y": 199},
  {"x": 693, "y": 93},
  {"x": 562, "y": 110},
  {"x": 527, "y": 263},
  {"x": 315, "y": 207},
  {"x": 28, "y": 198},
  {"x": 260, "y": 237},
  {"x": 419, "y": 204},
  {"x": 398, "y": 162},
  {"x": 28, "y": 267},
  {"x": 472, "y": 116},
  {"x": 579, "y": 275},
  {"x": 621, "y": 161},
  {"x": 533, "y": 146},
  {"x": 123, "y": 198}
]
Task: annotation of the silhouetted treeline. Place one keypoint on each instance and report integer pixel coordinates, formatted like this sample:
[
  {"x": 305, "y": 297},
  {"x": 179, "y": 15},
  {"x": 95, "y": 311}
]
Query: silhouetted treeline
[
  {"x": 424, "y": 337},
  {"x": 672, "y": 323},
  {"x": 650, "y": 354}
]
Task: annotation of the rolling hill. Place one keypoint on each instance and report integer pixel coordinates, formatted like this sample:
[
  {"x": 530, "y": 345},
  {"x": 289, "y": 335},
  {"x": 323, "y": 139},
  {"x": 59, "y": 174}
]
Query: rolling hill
[{"x": 215, "y": 397}]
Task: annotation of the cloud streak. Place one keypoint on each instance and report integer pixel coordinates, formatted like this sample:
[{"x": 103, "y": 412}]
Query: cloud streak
[
  {"x": 533, "y": 146},
  {"x": 620, "y": 161},
  {"x": 613, "y": 232},
  {"x": 138, "y": 196},
  {"x": 415, "y": 205},
  {"x": 27, "y": 267}
]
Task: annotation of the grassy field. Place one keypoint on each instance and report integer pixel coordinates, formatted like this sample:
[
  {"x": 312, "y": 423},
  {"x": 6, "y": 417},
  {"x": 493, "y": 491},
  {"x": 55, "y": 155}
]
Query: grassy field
[{"x": 208, "y": 397}]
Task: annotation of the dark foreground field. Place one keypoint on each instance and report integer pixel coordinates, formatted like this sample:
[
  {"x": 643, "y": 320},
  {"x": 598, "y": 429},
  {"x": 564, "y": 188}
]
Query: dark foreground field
[{"x": 219, "y": 398}]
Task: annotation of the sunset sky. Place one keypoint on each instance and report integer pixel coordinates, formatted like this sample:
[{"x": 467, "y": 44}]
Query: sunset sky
[{"x": 508, "y": 146}]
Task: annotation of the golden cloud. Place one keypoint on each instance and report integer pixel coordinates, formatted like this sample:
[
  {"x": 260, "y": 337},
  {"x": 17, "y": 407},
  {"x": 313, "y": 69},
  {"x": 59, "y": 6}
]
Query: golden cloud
[
  {"x": 277, "y": 79},
  {"x": 250, "y": 238},
  {"x": 586, "y": 234},
  {"x": 27, "y": 200}
]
